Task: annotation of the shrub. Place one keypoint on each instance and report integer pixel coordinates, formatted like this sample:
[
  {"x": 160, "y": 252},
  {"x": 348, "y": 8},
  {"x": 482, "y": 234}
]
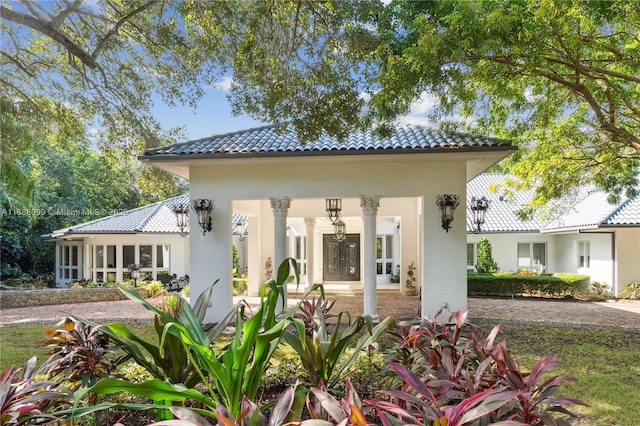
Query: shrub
[
  {"x": 463, "y": 380},
  {"x": 23, "y": 399},
  {"x": 486, "y": 264},
  {"x": 631, "y": 291},
  {"x": 156, "y": 289},
  {"x": 240, "y": 287},
  {"x": 558, "y": 284},
  {"x": 600, "y": 287}
]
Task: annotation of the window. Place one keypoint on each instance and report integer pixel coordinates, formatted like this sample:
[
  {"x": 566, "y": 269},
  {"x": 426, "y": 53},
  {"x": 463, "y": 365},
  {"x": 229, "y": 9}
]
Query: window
[
  {"x": 471, "y": 255},
  {"x": 532, "y": 255},
  {"x": 584, "y": 254},
  {"x": 146, "y": 254},
  {"x": 128, "y": 255},
  {"x": 300, "y": 254},
  {"x": 111, "y": 256},
  {"x": 384, "y": 255},
  {"x": 162, "y": 256},
  {"x": 99, "y": 256}
]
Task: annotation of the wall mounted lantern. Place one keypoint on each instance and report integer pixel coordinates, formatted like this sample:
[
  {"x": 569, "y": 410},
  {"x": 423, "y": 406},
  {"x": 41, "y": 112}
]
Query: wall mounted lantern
[
  {"x": 134, "y": 272},
  {"x": 479, "y": 207},
  {"x": 182, "y": 218},
  {"x": 242, "y": 230},
  {"x": 339, "y": 230},
  {"x": 447, "y": 204},
  {"x": 334, "y": 207},
  {"x": 203, "y": 208}
]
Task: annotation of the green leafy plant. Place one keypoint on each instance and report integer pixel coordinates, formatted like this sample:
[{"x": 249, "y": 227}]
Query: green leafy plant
[
  {"x": 24, "y": 399},
  {"x": 486, "y": 264},
  {"x": 156, "y": 289},
  {"x": 410, "y": 283},
  {"x": 600, "y": 288},
  {"x": 229, "y": 376},
  {"x": 322, "y": 346},
  {"x": 81, "y": 354},
  {"x": 631, "y": 291}
]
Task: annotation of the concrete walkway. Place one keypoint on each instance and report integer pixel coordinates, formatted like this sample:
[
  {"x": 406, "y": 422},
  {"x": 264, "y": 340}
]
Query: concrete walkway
[{"x": 622, "y": 314}]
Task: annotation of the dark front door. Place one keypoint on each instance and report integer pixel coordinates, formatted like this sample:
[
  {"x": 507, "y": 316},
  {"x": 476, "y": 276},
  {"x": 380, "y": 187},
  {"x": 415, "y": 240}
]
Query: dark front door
[{"x": 341, "y": 258}]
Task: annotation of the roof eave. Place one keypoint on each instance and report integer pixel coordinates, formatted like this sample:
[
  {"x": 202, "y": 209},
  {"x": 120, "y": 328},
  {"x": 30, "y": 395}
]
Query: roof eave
[{"x": 328, "y": 153}]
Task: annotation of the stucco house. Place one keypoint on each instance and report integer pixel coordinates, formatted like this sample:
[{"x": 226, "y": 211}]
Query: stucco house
[
  {"x": 387, "y": 188},
  {"x": 592, "y": 237}
]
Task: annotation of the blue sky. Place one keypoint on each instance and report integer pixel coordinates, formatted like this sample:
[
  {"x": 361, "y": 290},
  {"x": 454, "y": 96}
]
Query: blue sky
[{"x": 213, "y": 114}]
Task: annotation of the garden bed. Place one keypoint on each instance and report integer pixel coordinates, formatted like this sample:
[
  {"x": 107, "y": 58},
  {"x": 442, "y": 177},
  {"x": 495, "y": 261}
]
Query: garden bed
[{"x": 22, "y": 298}]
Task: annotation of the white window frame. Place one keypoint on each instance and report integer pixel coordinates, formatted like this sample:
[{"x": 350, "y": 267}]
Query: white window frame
[
  {"x": 533, "y": 265},
  {"x": 475, "y": 256},
  {"x": 384, "y": 261},
  {"x": 584, "y": 254}
]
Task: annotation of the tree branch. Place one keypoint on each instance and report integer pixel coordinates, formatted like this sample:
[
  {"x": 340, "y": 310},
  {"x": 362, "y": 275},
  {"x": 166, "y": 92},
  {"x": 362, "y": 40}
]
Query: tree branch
[{"x": 46, "y": 29}]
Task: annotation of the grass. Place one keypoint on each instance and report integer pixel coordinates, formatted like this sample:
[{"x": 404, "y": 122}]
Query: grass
[{"x": 606, "y": 363}]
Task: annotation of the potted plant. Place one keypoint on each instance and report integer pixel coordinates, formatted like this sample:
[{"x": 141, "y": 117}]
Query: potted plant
[{"x": 410, "y": 287}]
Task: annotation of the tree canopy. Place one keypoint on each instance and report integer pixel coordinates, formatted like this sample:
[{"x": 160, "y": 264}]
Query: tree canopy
[{"x": 559, "y": 78}]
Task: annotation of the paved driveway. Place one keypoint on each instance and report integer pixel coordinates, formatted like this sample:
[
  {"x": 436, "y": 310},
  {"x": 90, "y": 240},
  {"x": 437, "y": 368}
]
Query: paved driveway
[{"x": 620, "y": 314}]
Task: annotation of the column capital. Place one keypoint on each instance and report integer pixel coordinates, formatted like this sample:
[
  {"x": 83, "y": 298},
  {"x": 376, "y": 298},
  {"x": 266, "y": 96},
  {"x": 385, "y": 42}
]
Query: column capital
[
  {"x": 280, "y": 206},
  {"x": 370, "y": 204},
  {"x": 310, "y": 221}
]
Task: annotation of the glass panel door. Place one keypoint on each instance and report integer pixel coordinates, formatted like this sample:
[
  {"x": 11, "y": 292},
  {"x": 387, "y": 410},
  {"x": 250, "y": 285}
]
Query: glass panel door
[{"x": 341, "y": 258}]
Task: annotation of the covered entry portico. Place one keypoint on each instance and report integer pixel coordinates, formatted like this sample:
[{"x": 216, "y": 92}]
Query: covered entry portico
[{"x": 272, "y": 179}]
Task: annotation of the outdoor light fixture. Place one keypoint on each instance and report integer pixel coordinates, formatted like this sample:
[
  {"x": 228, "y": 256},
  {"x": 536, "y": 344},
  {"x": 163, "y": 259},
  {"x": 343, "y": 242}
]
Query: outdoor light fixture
[
  {"x": 243, "y": 230},
  {"x": 339, "y": 230},
  {"x": 182, "y": 217},
  {"x": 203, "y": 208},
  {"x": 447, "y": 204},
  {"x": 479, "y": 207},
  {"x": 134, "y": 271},
  {"x": 334, "y": 206}
]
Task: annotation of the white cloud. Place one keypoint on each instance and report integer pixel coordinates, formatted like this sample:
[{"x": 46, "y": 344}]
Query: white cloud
[
  {"x": 418, "y": 113},
  {"x": 224, "y": 84}
]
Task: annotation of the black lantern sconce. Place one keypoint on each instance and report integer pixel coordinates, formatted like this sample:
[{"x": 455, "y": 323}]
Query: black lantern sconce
[
  {"x": 334, "y": 207},
  {"x": 447, "y": 204},
  {"x": 479, "y": 207},
  {"x": 182, "y": 218},
  {"x": 203, "y": 208},
  {"x": 339, "y": 230}
]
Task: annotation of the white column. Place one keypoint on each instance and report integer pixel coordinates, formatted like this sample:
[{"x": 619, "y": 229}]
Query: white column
[
  {"x": 254, "y": 276},
  {"x": 370, "y": 206},
  {"x": 211, "y": 259},
  {"x": 310, "y": 223},
  {"x": 280, "y": 207}
]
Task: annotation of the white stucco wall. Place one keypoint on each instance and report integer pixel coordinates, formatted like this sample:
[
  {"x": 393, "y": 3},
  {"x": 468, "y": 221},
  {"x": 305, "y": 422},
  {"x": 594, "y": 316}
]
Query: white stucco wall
[
  {"x": 241, "y": 183},
  {"x": 601, "y": 252},
  {"x": 504, "y": 248},
  {"x": 628, "y": 257}
]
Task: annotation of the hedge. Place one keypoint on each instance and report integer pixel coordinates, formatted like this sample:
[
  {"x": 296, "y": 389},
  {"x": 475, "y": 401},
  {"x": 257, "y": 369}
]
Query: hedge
[{"x": 558, "y": 284}]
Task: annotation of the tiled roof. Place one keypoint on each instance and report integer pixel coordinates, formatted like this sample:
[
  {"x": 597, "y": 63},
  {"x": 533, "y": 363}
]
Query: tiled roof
[
  {"x": 265, "y": 141},
  {"x": 627, "y": 214},
  {"x": 595, "y": 210},
  {"x": 502, "y": 214},
  {"x": 154, "y": 218}
]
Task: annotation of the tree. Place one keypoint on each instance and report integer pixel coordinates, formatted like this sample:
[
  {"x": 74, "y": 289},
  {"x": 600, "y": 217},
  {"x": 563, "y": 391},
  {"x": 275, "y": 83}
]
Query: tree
[
  {"x": 486, "y": 264},
  {"x": 73, "y": 62},
  {"x": 559, "y": 78}
]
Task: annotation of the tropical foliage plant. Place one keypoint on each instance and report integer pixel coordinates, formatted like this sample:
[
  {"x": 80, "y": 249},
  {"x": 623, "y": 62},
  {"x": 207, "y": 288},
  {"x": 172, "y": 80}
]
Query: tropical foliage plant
[
  {"x": 454, "y": 379},
  {"x": 322, "y": 346},
  {"x": 81, "y": 354},
  {"x": 24, "y": 399}
]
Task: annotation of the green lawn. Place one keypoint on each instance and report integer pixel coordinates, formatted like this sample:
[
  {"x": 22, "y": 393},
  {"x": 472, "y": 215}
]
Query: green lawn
[{"x": 606, "y": 363}]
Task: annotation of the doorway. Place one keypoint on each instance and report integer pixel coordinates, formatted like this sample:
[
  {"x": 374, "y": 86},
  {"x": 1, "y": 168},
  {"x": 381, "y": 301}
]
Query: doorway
[{"x": 341, "y": 259}]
